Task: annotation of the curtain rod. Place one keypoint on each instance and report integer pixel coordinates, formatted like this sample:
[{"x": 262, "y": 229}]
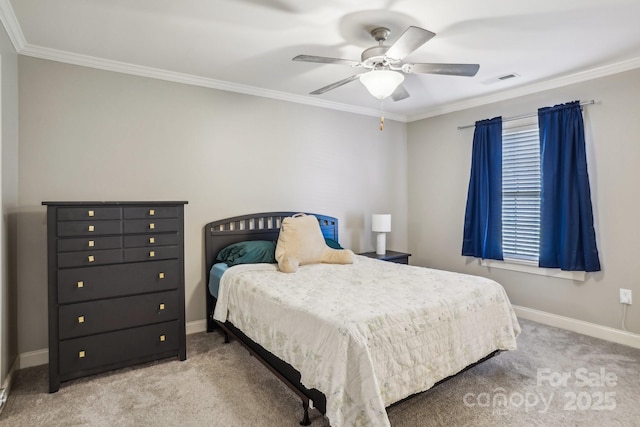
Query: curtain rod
[{"x": 524, "y": 116}]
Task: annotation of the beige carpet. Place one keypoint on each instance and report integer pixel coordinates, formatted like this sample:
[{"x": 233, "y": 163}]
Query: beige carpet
[{"x": 556, "y": 378}]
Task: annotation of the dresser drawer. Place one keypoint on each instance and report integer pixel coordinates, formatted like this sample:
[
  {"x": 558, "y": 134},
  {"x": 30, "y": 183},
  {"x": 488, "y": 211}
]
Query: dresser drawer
[
  {"x": 89, "y": 228},
  {"x": 90, "y": 283},
  {"x": 86, "y": 353},
  {"x": 87, "y": 318},
  {"x": 149, "y": 240},
  {"x": 89, "y": 244},
  {"x": 82, "y": 259},
  {"x": 150, "y": 225},
  {"x": 150, "y": 254},
  {"x": 89, "y": 213},
  {"x": 151, "y": 212}
]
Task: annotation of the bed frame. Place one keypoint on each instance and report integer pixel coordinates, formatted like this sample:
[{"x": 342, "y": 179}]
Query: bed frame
[
  {"x": 266, "y": 226},
  {"x": 261, "y": 226}
]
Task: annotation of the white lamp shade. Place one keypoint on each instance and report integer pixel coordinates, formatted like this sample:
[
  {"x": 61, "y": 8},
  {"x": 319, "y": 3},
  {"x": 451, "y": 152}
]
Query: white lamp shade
[
  {"x": 381, "y": 83},
  {"x": 381, "y": 223}
]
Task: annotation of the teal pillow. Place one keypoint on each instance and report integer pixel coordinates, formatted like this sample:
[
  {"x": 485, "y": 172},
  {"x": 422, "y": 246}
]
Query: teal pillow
[
  {"x": 332, "y": 243},
  {"x": 248, "y": 252}
]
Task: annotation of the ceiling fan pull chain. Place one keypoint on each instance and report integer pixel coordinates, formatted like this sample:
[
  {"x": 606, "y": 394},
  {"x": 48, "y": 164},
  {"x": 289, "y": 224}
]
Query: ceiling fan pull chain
[{"x": 381, "y": 115}]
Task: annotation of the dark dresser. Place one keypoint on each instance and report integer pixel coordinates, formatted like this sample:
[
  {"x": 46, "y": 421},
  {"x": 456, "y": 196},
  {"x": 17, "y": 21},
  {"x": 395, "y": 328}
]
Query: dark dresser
[{"x": 116, "y": 285}]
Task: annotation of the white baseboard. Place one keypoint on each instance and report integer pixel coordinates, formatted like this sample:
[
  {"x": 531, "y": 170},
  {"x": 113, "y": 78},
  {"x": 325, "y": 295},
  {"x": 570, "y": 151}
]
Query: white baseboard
[
  {"x": 585, "y": 328},
  {"x": 33, "y": 358},
  {"x": 5, "y": 388},
  {"x": 196, "y": 326},
  {"x": 41, "y": 357}
]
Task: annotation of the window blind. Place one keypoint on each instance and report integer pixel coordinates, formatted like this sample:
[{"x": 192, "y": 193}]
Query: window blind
[{"x": 521, "y": 194}]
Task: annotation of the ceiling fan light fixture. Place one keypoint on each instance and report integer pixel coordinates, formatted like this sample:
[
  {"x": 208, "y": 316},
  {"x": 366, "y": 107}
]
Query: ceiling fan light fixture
[{"x": 381, "y": 83}]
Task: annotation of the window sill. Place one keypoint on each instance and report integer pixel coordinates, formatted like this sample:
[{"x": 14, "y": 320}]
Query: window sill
[{"x": 524, "y": 267}]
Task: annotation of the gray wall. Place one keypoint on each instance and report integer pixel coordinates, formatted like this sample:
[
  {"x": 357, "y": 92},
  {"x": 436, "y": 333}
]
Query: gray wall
[
  {"x": 8, "y": 201},
  {"x": 87, "y": 134},
  {"x": 439, "y": 164}
]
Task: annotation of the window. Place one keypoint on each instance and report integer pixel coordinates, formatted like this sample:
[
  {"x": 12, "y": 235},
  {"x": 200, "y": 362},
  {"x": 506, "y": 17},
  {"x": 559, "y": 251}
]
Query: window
[
  {"x": 521, "y": 194},
  {"x": 524, "y": 234}
]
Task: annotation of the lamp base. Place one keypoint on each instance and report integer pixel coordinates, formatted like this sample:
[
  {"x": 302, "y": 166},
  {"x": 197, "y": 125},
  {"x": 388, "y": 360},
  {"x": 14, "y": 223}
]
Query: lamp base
[{"x": 381, "y": 244}]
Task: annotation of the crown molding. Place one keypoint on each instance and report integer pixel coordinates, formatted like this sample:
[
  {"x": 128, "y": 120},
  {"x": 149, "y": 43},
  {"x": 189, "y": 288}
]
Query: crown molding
[
  {"x": 172, "y": 76},
  {"x": 529, "y": 89},
  {"x": 11, "y": 25}
]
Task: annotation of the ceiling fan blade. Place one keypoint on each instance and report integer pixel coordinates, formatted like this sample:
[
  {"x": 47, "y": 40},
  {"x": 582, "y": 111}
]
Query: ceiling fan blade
[
  {"x": 467, "y": 70},
  {"x": 326, "y": 60},
  {"x": 400, "y": 93},
  {"x": 410, "y": 40},
  {"x": 335, "y": 85}
]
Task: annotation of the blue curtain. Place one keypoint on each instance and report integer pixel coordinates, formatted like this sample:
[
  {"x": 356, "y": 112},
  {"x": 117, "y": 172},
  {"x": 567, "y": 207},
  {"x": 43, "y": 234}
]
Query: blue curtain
[
  {"x": 567, "y": 236},
  {"x": 483, "y": 215}
]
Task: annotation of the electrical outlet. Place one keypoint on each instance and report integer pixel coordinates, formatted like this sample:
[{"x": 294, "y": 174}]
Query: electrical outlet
[{"x": 625, "y": 296}]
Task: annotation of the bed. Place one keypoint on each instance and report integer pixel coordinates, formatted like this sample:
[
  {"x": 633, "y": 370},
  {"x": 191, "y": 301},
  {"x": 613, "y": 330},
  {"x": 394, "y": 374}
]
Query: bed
[{"x": 350, "y": 340}]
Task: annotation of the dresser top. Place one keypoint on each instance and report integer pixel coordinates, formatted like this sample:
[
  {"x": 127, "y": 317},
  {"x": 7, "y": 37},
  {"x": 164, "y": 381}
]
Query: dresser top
[{"x": 127, "y": 203}]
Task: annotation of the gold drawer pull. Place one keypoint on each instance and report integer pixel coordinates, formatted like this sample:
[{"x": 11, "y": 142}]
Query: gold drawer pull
[
  {"x": 152, "y": 212},
  {"x": 152, "y": 254},
  {"x": 91, "y": 258},
  {"x": 161, "y": 275},
  {"x": 152, "y": 240},
  {"x": 80, "y": 319},
  {"x": 91, "y": 243},
  {"x": 162, "y": 338},
  {"x": 152, "y": 226},
  {"x": 80, "y": 284},
  {"x": 81, "y": 354},
  {"x": 161, "y": 307},
  {"x": 91, "y": 213},
  {"x": 92, "y": 228}
]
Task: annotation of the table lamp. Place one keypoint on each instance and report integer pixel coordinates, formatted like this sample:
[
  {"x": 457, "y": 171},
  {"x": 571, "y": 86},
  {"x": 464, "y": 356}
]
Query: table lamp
[{"x": 381, "y": 224}]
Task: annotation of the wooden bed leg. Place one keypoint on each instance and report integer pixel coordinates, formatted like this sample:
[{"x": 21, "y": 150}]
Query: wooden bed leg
[
  {"x": 305, "y": 419},
  {"x": 227, "y": 340}
]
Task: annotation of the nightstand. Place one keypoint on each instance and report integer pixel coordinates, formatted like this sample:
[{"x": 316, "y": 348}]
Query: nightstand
[{"x": 392, "y": 256}]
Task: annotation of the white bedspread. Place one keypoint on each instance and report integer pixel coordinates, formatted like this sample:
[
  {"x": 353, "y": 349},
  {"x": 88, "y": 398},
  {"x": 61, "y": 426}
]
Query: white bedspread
[{"x": 371, "y": 333}]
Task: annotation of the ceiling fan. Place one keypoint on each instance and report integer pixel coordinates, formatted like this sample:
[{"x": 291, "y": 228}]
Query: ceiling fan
[{"x": 386, "y": 66}]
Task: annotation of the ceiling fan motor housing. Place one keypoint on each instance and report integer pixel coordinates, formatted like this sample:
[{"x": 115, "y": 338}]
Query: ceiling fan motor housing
[{"x": 374, "y": 56}]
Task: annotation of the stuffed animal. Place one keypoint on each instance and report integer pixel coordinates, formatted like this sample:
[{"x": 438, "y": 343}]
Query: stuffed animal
[{"x": 301, "y": 242}]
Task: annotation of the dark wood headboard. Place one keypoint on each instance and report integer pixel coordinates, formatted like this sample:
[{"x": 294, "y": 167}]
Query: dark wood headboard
[{"x": 258, "y": 226}]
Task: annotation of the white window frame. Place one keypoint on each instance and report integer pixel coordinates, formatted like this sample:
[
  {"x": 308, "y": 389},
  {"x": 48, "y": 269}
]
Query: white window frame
[{"x": 516, "y": 265}]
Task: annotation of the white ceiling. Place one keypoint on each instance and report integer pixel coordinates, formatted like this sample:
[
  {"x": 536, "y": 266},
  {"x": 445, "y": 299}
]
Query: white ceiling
[{"x": 247, "y": 45}]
